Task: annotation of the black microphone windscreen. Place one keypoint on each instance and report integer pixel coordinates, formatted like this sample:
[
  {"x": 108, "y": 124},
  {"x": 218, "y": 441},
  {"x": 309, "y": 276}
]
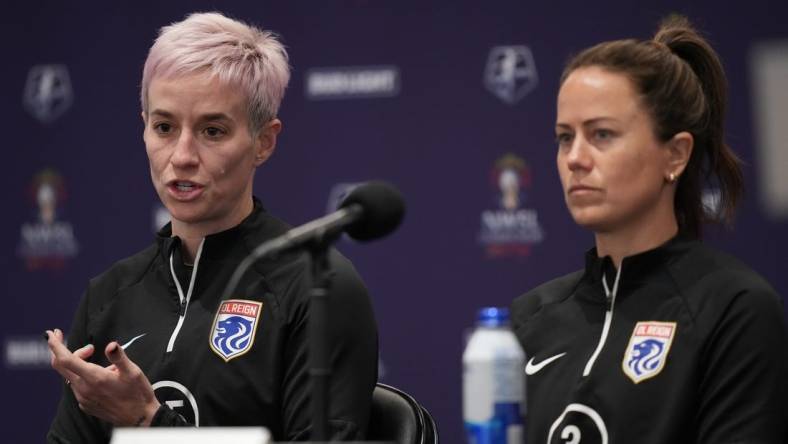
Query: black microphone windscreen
[{"x": 383, "y": 210}]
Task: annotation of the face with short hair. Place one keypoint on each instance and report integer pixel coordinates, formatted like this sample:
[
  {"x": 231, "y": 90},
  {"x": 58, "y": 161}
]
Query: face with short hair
[
  {"x": 611, "y": 164},
  {"x": 201, "y": 153}
]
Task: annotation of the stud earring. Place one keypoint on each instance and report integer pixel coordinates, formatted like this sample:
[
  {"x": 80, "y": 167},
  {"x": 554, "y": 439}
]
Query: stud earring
[{"x": 672, "y": 178}]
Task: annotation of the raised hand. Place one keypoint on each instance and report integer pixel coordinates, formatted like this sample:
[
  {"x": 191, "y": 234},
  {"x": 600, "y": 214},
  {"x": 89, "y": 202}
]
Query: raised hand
[{"x": 119, "y": 393}]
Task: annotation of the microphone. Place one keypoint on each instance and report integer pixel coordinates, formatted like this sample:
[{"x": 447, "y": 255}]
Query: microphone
[
  {"x": 381, "y": 209},
  {"x": 372, "y": 210}
]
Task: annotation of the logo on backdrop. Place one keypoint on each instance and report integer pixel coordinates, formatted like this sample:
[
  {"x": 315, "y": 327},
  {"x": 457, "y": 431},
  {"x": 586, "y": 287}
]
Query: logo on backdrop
[
  {"x": 648, "y": 349},
  {"x": 510, "y": 73},
  {"x": 352, "y": 82},
  {"x": 26, "y": 352},
  {"x": 48, "y": 93},
  {"x": 47, "y": 242},
  {"x": 511, "y": 229},
  {"x": 234, "y": 326}
]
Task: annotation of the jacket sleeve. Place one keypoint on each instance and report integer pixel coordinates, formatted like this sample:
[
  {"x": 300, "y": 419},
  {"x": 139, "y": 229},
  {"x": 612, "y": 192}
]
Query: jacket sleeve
[
  {"x": 353, "y": 355},
  {"x": 71, "y": 424},
  {"x": 743, "y": 388}
]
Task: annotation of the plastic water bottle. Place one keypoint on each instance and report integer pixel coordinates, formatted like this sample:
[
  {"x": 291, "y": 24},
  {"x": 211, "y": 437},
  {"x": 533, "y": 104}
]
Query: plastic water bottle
[{"x": 493, "y": 381}]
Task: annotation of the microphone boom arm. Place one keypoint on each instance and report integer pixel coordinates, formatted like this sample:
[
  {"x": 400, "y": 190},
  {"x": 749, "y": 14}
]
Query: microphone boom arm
[
  {"x": 370, "y": 211},
  {"x": 314, "y": 235}
]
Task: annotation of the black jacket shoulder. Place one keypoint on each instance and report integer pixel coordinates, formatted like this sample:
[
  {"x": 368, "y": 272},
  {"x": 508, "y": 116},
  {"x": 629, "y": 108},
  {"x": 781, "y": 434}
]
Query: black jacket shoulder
[
  {"x": 527, "y": 305},
  {"x": 122, "y": 274},
  {"x": 711, "y": 280}
]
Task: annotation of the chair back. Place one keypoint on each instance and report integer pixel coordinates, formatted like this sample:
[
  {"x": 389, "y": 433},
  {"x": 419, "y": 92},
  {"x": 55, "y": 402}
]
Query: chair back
[{"x": 397, "y": 417}]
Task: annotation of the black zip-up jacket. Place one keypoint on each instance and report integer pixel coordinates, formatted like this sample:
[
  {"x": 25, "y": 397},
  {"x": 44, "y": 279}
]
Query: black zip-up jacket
[
  {"x": 682, "y": 344},
  {"x": 233, "y": 364}
]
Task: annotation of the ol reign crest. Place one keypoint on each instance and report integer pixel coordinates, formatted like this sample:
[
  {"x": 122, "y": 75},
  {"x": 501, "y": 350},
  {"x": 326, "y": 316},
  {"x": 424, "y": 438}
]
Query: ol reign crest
[
  {"x": 233, "y": 329},
  {"x": 648, "y": 349}
]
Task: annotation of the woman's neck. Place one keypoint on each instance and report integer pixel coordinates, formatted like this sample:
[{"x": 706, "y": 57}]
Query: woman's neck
[
  {"x": 189, "y": 247},
  {"x": 192, "y": 234},
  {"x": 619, "y": 244}
]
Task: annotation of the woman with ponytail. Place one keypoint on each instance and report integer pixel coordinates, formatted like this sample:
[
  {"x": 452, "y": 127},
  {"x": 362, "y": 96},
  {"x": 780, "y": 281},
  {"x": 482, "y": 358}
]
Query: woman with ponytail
[{"x": 660, "y": 339}]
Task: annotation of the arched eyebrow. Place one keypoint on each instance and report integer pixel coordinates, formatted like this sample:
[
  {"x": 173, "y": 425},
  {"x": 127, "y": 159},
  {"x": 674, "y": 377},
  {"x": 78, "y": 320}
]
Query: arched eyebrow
[{"x": 589, "y": 122}]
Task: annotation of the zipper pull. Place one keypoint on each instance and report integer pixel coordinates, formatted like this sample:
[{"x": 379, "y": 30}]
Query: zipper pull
[{"x": 182, "y": 308}]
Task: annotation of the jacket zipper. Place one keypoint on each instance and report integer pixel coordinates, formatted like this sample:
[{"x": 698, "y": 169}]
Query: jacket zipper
[
  {"x": 610, "y": 302},
  {"x": 184, "y": 299}
]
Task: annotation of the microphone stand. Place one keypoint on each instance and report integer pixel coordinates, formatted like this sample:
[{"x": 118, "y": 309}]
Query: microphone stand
[
  {"x": 319, "y": 347},
  {"x": 318, "y": 245},
  {"x": 373, "y": 210}
]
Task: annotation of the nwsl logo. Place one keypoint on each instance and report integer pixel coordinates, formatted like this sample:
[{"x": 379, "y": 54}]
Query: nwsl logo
[
  {"x": 233, "y": 329},
  {"x": 48, "y": 92},
  {"x": 48, "y": 242},
  {"x": 511, "y": 229},
  {"x": 510, "y": 73},
  {"x": 648, "y": 349}
]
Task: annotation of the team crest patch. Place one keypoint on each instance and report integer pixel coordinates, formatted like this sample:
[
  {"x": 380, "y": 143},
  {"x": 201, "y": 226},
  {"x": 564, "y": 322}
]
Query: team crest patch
[
  {"x": 648, "y": 349},
  {"x": 233, "y": 329}
]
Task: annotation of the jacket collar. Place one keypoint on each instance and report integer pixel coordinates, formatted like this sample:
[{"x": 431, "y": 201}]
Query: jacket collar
[
  {"x": 638, "y": 267},
  {"x": 216, "y": 245}
]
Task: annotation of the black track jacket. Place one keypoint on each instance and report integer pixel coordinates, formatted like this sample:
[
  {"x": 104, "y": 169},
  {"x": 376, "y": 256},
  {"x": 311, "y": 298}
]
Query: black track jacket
[
  {"x": 241, "y": 363},
  {"x": 689, "y": 346}
]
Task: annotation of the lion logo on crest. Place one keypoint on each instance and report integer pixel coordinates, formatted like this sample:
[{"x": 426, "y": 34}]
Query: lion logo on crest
[{"x": 233, "y": 329}]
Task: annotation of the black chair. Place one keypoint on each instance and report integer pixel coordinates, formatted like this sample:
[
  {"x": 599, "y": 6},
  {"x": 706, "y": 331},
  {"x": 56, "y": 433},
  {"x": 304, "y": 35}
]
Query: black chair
[{"x": 398, "y": 418}]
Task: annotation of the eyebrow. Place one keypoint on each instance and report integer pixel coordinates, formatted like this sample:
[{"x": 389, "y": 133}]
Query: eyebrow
[
  {"x": 589, "y": 122},
  {"x": 161, "y": 112},
  {"x": 204, "y": 117},
  {"x": 216, "y": 116}
]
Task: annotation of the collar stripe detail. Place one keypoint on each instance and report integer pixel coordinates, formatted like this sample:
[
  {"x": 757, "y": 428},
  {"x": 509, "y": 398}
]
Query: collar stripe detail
[
  {"x": 183, "y": 299},
  {"x": 611, "y": 295}
]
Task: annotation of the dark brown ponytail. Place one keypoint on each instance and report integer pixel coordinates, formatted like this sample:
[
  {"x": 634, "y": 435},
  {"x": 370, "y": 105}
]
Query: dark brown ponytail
[{"x": 682, "y": 82}]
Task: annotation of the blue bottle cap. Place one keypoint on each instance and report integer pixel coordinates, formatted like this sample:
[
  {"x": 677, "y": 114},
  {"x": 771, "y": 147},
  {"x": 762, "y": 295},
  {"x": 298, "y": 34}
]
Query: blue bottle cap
[{"x": 493, "y": 316}]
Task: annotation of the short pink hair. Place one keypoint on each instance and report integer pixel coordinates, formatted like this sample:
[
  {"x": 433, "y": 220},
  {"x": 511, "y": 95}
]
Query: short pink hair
[{"x": 238, "y": 54}]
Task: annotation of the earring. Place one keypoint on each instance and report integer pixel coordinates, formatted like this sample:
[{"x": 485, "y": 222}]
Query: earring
[{"x": 672, "y": 178}]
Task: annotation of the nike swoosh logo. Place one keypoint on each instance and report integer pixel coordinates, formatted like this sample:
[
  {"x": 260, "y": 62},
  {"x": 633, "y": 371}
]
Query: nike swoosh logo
[
  {"x": 132, "y": 340},
  {"x": 531, "y": 368}
]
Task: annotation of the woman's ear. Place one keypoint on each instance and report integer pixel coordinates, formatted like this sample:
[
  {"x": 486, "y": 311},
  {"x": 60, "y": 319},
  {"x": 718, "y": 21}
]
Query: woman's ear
[
  {"x": 679, "y": 151},
  {"x": 265, "y": 142}
]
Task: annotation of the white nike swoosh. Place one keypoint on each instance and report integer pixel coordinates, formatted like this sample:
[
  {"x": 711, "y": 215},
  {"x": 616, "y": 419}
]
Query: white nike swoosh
[
  {"x": 531, "y": 368},
  {"x": 132, "y": 340}
]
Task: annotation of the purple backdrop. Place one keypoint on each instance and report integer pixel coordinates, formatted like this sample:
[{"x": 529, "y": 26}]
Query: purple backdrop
[{"x": 441, "y": 100}]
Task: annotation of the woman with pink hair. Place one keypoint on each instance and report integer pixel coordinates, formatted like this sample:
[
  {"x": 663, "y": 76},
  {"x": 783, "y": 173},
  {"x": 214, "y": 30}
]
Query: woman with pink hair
[{"x": 176, "y": 353}]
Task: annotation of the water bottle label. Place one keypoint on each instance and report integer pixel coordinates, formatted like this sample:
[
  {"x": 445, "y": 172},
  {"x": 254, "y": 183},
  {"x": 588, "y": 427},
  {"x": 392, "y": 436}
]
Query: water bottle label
[{"x": 505, "y": 427}]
